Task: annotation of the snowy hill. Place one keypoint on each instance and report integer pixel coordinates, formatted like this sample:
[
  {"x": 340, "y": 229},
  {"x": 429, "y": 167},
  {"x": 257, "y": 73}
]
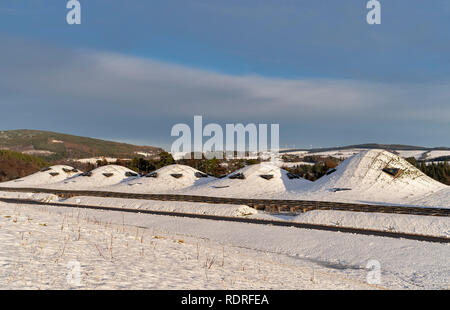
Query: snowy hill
[
  {"x": 258, "y": 180},
  {"x": 53, "y": 145},
  {"x": 100, "y": 177},
  {"x": 51, "y": 175},
  {"x": 373, "y": 176}
]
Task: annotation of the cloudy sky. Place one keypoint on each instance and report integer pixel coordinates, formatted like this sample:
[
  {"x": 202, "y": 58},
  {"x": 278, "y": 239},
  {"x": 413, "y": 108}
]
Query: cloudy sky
[{"x": 133, "y": 69}]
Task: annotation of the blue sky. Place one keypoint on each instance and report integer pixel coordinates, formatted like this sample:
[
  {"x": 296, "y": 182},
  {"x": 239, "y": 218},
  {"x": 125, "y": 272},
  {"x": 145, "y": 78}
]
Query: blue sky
[{"x": 133, "y": 69}]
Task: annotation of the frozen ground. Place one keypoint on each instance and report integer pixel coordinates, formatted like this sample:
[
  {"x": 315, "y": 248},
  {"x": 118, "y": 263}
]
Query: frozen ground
[
  {"x": 124, "y": 251},
  {"x": 39, "y": 247}
]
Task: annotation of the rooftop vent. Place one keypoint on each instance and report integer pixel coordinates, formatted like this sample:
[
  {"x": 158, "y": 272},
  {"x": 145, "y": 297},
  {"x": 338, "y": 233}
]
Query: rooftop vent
[
  {"x": 340, "y": 189},
  {"x": 330, "y": 171},
  {"x": 395, "y": 172},
  {"x": 239, "y": 176},
  {"x": 266, "y": 176},
  {"x": 87, "y": 174},
  {"x": 200, "y": 175},
  {"x": 68, "y": 170},
  {"x": 108, "y": 174},
  {"x": 293, "y": 176},
  {"x": 54, "y": 174},
  {"x": 46, "y": 169},
  {"x": 131, "y": 174},
  {"x": 176, "y": 175},
  {"x": 152, "y": 175}
]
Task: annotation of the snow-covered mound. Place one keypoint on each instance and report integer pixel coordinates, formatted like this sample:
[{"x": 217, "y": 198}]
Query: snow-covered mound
[
  {"x": 50, "y": 175},
  {"x": 439, "y": 199},
  {"x": 374, "y": 176},
  {"x": 100, "y": 177},
  {"x": 261, "y": 180},
  {"x": 164, "y": 180}
]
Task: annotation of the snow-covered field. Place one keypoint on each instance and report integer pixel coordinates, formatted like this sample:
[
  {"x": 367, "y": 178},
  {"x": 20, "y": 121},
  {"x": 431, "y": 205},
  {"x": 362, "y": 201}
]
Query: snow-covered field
[
  {"x": 346, "y": 153},
  {"x": 338, "y": 154},
  {"x": 93, "y": 160},
  {"x": 299, "y": 163},
  {"x": 424, "y": 225},
  {"x": 436, "y": 154},
  {"x": 41, "y": 245},
  {"x": 416, "y": 154},
  {"x": 40, "y": 248}
]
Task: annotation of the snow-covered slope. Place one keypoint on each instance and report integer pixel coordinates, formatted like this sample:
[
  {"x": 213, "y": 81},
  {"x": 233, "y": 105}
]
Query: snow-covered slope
[
  {"x": 261, "y": 180},
  {"x": 337, "y": 153},
  {"x": 437, "y": 199},
  {"x": 100, "y": 177},
  {"x": 361, "y": 178},
  {"x": 163, "y": 180},
  {"x": 51, "y": 175},
  {"x": 436, "y": 153}
]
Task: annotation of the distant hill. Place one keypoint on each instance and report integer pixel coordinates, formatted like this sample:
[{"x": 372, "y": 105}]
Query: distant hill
[
  {"x": 397, "y": 147},
  {"x": 56, "y": 146}
]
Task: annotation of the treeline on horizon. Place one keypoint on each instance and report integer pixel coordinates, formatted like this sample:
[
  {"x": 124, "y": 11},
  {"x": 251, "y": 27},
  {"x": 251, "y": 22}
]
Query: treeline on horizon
[{"x": 14, "y": 165}]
